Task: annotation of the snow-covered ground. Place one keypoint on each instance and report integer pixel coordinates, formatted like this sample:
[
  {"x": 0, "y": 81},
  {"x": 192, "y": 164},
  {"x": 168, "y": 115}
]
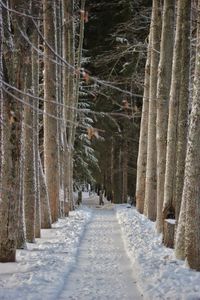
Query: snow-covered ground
[
  {"x": 103, "y": 270},
  {"x": 41, "y": 270},
  {"x": 159, "y": 274},
  {"x": 86, "y": 242}
]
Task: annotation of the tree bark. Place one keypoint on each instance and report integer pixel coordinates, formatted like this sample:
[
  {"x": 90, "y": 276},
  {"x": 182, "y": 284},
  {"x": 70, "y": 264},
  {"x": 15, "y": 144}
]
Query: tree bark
[
  {"x": 169, "y": 232},
  {"x": 7, "y": 203},
  {"x": 44, "y": 199},
  {"x": 35, "y": 84},
  {"x": 150, "y": 188},
  {"x": 29, "y": 159},
  {"x": 183, "y": 107},
  {"x": 11, "y": 111},
  {"x": 163, "y": 88},
  {"x": 112, "y": 168},
  {"x": 69, "y": 100},
  {"x": 142, "y": 151},
  {"x": 189, "y": 221},
  {"x": 59, "y": 95},
  {"x": 50, "y": 124},
  {"x": 125, "y": 171},
  {"x": 169, "y": 186}
]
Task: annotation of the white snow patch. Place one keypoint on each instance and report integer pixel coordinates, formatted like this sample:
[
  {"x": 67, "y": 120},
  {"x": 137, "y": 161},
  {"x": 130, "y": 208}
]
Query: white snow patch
[
  {"x": 159, "y": 275},
  {"x": 171, "y": 221},
  {"x": 40, "y": 271}
]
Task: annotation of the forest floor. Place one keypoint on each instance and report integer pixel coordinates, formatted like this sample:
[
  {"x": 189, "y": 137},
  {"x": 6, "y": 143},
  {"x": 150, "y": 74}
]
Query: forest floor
[{"x": 105, "y": 252}]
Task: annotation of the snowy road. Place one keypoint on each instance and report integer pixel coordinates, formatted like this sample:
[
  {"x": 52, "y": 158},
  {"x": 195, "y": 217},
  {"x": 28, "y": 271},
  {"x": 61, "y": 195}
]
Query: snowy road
[{"x": 103, "y": 269}]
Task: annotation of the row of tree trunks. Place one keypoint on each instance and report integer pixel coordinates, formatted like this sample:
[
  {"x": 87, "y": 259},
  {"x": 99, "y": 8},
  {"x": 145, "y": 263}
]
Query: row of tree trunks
[
  {"x": 35, "y": 158},
  {"x": 177, "y": 169}
]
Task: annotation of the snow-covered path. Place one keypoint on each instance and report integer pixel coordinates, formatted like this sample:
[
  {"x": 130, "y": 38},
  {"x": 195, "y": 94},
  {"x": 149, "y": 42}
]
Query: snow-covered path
[{"x": 103, "y": 270}]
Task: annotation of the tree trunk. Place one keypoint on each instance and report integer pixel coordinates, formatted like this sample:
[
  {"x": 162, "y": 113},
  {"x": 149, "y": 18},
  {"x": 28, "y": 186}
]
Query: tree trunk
[
  {"x": 50, "y": 124},
  {"x": 29, "y": 159},
  {"x": 183, "y": 107},
  {"x": 117, "y": 172},
  {"x": 163, "y": 88},
  {"x": 68, "y": 96},
  {"x": 44, "y": 199},
  {"x": 35, "y": 82},
  {"x": 7, "y": 203},
  {"x": 21, "y": 237},
  {"x": 74, "y": 85},
  {"x": 112, "y": 168},
  {"x": 142, "y": 151},
  {"x": 150, "y": 191},
  {"x": 125, "y": 171},
  {"x": 189, "y": 221},
  {"x": 11, "y": 111},
  {"x": 59, "y": 68},
  {"x": 169, "y": 232},
  {"x": 169, "y": 186}
]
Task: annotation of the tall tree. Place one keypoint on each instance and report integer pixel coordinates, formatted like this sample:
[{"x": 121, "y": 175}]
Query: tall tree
[
  {"x": 150, "y": 189},
  {"x": 163, "y": 88},
  {"x": 50, "y": 109},
  {"x": 169, "y": 186},
  {"x": 142, "y": 151},
  {"x": 187, "y": 238},
  {"x": 68, "y": 95},
  {"x": 183, "y": 106},
  {"x": 10, "y": 151},
  {"x": 35, "y": 90},
  {"x": 28, "y": 140}
]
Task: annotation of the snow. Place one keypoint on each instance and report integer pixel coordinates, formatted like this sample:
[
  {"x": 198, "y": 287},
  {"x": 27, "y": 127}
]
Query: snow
[
  {"x": 103, "y": 269},
  {"x": 84, "y": 257},
  {"x": 171, "y": 221},
  {"x": 41, "y": 270},
  {"x": 159, "y": 275}
]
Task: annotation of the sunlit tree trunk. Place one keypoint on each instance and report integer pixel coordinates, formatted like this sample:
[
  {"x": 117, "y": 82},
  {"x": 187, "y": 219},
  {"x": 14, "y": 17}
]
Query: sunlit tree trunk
[
  {"x": 183, "y": 107},
  {"x": 50, "y": 124},
  {"x": 163, "y": 88},
  {"x": 188, "y": 234},
  {"x": 142, "y": 151},
  {"x": 150, "y": 190},
  {"x": 169, "y": 186}
]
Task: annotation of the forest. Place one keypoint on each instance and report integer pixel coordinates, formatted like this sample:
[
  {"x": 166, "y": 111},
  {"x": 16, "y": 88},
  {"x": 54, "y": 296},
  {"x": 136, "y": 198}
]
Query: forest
[{"x": 100, "y": 104}]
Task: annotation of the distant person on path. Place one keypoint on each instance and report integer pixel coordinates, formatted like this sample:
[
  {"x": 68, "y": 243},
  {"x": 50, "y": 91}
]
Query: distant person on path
[{"x": 101, "y": 198}]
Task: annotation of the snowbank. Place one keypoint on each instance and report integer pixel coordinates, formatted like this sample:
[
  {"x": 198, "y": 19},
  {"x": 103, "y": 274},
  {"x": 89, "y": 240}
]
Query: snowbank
[
  {"x": 41, "y": 270},
  {"x": 159, "y": 275}
]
